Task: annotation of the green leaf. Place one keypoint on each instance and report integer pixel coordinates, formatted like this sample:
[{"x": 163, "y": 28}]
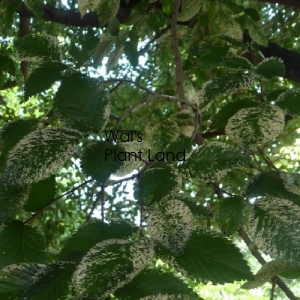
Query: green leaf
[
  {"x": 113, "y": 27},
  {"x": 209, "y": 257},
  {"x": 15, "y": 279},
  {"x": 156, "y": 183},
  {"x": 235, "y": 8},
  {"x": 154, "y": 283},
  {"x": 257, "y": 32},
  {"x": 267, "y": 271},
  {"x": 114, "y": 56},
  {"x": 109, "y": 265},
  {"x": 212, "y": 161},
  {"x": 160, "y": 135},
  {"x": 210, "y": 55},
  {"x": 21, "y": 243},
  {"x": 40, "y": 193},
  {"x": 229, "y": 110},
  {"x": 12, "y": 199},
  {"x": 237, "y": 62},
  {"x": 252, "y": 13},
  {"x": 12, "y": 133},
  {"x": 84, "y": 47},
  {"x": 272, "y": 228},
  {"x": 36, "y": 6},
  {"x": 271, "y": 67},
  {"x": 231, "y": 214},
  {"x": 171, "y": 225},
  {"x": 39, "y": 155},
  {"x": 101, "y": 51},
  {"x": 37, "y": 48},
  {"x": 231, "y": 83},
  {"x": 52, "y": 282},
  {"x": 88, "y": 235},
  {"x": 106, "y": 10},
  {"x": 102, "y": 159},
  {"x": 8, "y": 9},
  {"x": 255, "y": 125},
  {"x": 83, "y": 99},
  {"x": 189, "y": 8},
  {"x": 292, "y": 273},
  {"x": 291, "y": 182},
  {"x": 266, "y": 184},
  {"x": 131, "y": 52},
  {"x": 289, "y": 102},
  {"x": 43, "y": 77},
  {"x": 6, "y": 63}
]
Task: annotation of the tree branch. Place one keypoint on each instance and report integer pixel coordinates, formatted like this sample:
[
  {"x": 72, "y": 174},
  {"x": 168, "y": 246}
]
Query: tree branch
[
  {"x": 174, "y": 40},
  {"x": 73, "y": 18}
]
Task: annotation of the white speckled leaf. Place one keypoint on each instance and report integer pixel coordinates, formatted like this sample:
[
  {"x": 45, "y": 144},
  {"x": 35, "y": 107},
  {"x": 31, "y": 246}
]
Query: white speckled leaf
[
  {"x": 37, "y": 48},
  {"x": 15, "y": 279},
  {"x": 52, "y": 282},
  {"x": 291, "y": 182},
  {"x": 109, "y": 265},
  {"x": 161, "y": 134},
  {"x": 39, "y": 155},
  {"x": 171, "y": 225},
  {"x": 255, "y": 125},
  {"x": 275, "y": 228},
  {"x": 134, "y": 163},
  {"x": 212, "y": 161},
  {"x": 227, "y": 84}
]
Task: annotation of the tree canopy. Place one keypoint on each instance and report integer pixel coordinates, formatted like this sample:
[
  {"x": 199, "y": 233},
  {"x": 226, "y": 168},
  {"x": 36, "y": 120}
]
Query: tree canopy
[{"x": 143, "y": 143}]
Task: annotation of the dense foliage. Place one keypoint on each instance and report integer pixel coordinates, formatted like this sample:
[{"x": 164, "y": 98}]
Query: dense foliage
[{"x": 141, "y": 141}]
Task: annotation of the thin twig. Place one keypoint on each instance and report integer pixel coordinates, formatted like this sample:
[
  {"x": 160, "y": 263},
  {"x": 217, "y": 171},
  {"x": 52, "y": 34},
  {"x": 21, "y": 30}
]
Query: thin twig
[
  {"x": 156, "y": 37},
  {"x": 95, "y": 203},
  {"x": 102, "y": 201},
  {"x": 121, "y": 180},
  {"x": 130, "y": 81},
  {"x": 151, "y": 98},
  {"x": 56, "y": 199},
  {"x": 174, "y": 40}
]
